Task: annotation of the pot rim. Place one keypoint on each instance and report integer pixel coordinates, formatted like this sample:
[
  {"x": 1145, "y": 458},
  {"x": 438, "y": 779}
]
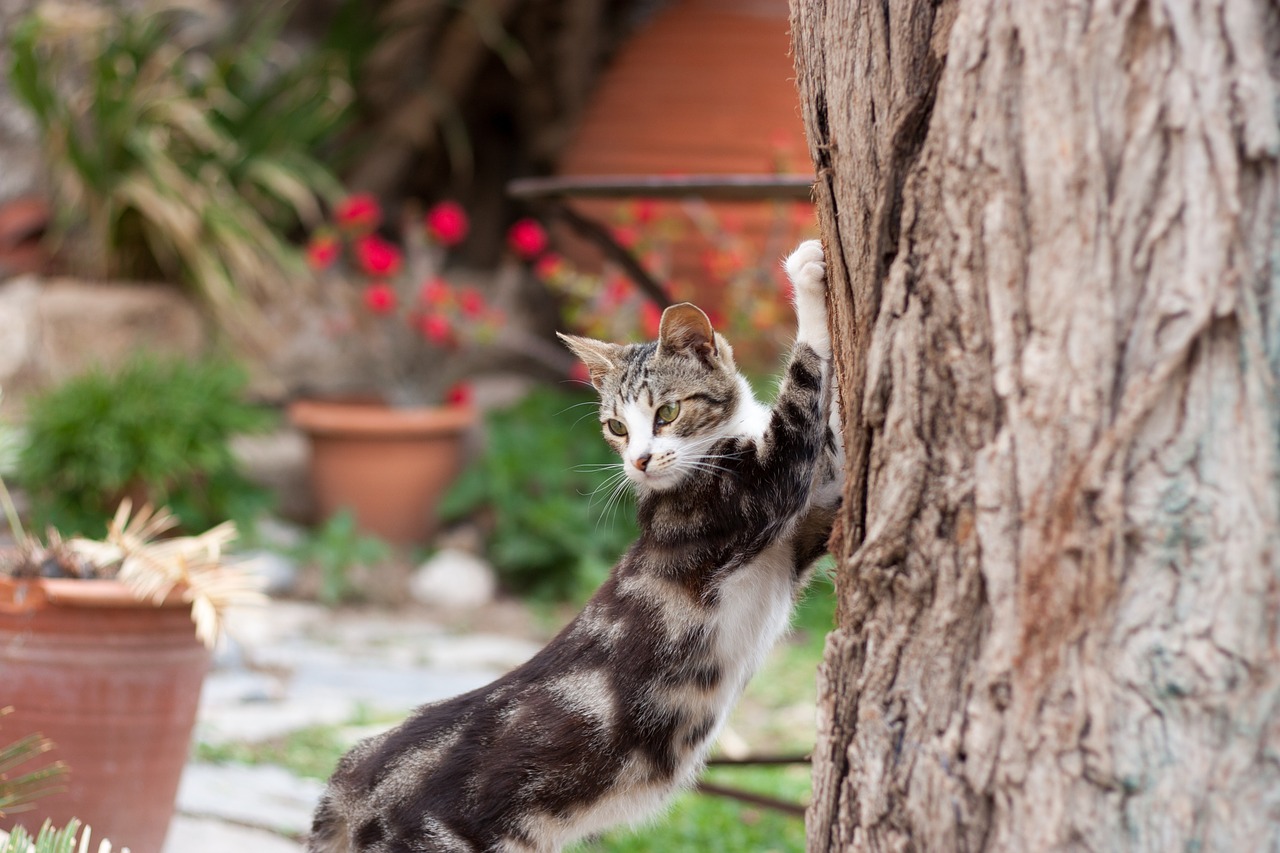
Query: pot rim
[
  {"x": 37, "y": 593},
  {"x": 324, "y": 417}
]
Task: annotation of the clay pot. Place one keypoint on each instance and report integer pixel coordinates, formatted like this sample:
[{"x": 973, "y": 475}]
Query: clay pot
[
  {"x": 23, "y": 222},
  {"x": 704, "y": 88},
  {"x": 115, "y": 683},
  {"x": 389, "y": 466}
]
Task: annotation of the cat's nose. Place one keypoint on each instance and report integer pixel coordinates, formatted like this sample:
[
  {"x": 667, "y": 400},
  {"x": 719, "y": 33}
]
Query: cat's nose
[{"x": 642, "y": 461}]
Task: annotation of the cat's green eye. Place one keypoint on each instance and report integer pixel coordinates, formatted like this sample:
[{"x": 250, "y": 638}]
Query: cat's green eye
[
  {"x": 668, "y": 413},
  {"x": 616, "y": 426}
]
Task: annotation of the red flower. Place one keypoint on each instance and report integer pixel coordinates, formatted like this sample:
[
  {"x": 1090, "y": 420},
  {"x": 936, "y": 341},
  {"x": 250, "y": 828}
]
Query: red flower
[
  {"x": 359, "y": 213},
  {"x": 646, "y": 211},
  {"x": 380, "y": 298},
  {"x": 616, "y": 291},
  {"x": 626, "y": 236},
  {"x": 436, "y": 328},
  {"x": 435, "y": 291},
  {"x": 447, "y": 222},
  {"x": 549, "y": 265},
  {"x": 527, "y": 239},
  {"x": 650, "y": 318},
  {"x": 377, "y": 256},
  {"x": 459, "y": 395},
  {"x": 322, "y": 251},
  {"x": 472, "y": 303}
]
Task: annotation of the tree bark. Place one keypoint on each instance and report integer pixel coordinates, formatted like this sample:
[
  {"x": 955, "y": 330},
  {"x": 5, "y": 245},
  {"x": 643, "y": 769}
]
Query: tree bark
[{"x": 1053, "y": 233}]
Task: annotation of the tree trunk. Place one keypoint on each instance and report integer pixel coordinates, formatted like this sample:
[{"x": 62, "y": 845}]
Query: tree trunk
[{"x": 1053, "y": 233}]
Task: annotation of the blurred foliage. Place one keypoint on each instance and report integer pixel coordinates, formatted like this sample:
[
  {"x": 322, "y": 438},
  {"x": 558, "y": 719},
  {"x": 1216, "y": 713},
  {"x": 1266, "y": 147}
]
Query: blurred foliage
[
  {"x": 554, "y": 527},
  {"x": 737, "y": 278},
  {"x": 156, "y": 431},
  {"x": 336, "y": 548},
  {"x": 175, "y": 154}
]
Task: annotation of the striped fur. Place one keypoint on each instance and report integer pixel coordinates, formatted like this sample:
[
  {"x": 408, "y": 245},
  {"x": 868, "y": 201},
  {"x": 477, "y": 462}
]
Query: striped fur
[{"x": 620, "y": 709}]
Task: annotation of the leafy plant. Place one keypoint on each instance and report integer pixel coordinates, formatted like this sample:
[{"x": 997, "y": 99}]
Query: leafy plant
[
  {"x": 153, "y": 430},
  {"x": 177, "y": 157},
  {"x": 556, "y": 529},
  {"x": 336, "y": 548}
]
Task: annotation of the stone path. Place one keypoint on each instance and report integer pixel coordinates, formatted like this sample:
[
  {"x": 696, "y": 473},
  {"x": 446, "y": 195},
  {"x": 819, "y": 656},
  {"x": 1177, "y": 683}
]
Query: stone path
[{"x": 290, "y": 665}]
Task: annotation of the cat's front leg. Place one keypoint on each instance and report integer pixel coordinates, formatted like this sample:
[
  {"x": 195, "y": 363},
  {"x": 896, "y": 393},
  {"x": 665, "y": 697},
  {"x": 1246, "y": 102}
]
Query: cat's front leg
[{"x": 807, "y": 269}]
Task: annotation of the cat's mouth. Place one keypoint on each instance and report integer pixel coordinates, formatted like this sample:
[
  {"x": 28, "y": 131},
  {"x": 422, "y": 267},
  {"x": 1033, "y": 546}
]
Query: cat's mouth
[{"x": 655, "y": 480}]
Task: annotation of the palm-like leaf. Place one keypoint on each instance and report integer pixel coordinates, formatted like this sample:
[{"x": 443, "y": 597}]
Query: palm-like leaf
[
  {"x": 193, "y": 566},
  {"x": 18, "y": 789}
]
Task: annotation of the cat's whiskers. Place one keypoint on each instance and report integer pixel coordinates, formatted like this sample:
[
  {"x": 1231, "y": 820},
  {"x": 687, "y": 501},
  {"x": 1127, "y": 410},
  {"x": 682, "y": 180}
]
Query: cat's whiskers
[
  {"x": 611, "y": 485},
  {"x": 591, "y": 411},
  {"x": 620, "y": 483}
]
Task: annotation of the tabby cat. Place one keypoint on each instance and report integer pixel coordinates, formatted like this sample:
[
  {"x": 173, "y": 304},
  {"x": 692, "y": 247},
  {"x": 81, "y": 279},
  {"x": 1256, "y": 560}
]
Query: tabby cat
[{"x": 602, "y": 726}]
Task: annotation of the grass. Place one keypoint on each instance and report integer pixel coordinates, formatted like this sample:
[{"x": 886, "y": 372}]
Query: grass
[
  {"x": 696, "y": 822},
  {"x": 311, "y": 752},
  {"x": 776, "y": 715}
]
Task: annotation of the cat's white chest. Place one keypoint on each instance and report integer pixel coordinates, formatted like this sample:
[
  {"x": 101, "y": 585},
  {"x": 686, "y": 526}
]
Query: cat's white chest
[{"x": 754, "y": 611}]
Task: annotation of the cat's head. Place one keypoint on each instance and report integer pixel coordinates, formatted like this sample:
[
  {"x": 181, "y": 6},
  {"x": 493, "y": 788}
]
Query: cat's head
[{"x": 665, "y": 404}]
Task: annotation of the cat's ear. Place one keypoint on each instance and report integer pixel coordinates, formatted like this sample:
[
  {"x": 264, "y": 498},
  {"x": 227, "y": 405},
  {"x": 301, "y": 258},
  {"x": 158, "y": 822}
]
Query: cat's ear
[
  {"x": 685, "y": 328},
  {"x": 599, "y": 357}
]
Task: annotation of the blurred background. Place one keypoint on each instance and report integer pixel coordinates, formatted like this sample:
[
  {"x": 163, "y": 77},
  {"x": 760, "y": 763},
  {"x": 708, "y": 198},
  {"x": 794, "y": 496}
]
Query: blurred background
[{"x": 249, "y": 249}]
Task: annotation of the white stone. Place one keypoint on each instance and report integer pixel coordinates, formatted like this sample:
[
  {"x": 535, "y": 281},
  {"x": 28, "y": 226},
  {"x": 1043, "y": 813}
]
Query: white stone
[
  {"x": 278, "y": 572},
  {"x": 17, "y": 333},
  {"x": 454, "y": 579}
]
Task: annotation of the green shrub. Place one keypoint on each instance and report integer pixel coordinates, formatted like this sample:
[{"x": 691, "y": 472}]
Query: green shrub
[
  {"x": 337, "y": 548},
  {"x": 542, "y": 487},
  {"x": 154, "y": 430}
]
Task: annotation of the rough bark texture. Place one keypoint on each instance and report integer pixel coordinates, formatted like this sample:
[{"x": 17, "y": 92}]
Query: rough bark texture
[{"x": 1055, "y": 233}]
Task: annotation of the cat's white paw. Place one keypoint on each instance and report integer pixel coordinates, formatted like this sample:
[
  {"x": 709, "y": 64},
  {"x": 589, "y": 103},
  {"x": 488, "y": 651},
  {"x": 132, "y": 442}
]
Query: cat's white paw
[{"x": 807, "y": 269}]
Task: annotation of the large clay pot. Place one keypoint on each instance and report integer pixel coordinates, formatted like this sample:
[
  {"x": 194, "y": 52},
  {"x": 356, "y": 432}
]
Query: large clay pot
[
  {"x": 707, "y": 87},
  {"x": 115, "y": 683},
  {"x": 388, "y": 465}
]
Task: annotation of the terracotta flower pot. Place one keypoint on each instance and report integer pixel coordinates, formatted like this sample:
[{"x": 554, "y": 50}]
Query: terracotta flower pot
[
  {"x": 389, "y": 466},
  {"x": 115, "y": 683}
]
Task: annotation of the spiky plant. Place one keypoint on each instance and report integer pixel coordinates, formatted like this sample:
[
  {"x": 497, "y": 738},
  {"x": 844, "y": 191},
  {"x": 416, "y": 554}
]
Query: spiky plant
[
  {"x": 19, "y": 787},
  {"x": 69, "y": 839}
]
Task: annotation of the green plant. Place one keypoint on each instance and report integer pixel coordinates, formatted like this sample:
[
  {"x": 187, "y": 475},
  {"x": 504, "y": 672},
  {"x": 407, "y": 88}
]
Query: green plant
[
  {"x": 337, "y": 548},
  {"x": 555, "y": 528},
  {"x": 156, "y": 431},
  {"x": 50, "y": 839},
  {"x": 178, "y": 157}
]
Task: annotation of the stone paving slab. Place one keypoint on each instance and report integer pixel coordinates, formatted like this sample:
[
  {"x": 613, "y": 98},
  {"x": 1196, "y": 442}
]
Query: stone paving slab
[
  {"x": 261, "y": 796},
  {"x": 207, "y": 835}
]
